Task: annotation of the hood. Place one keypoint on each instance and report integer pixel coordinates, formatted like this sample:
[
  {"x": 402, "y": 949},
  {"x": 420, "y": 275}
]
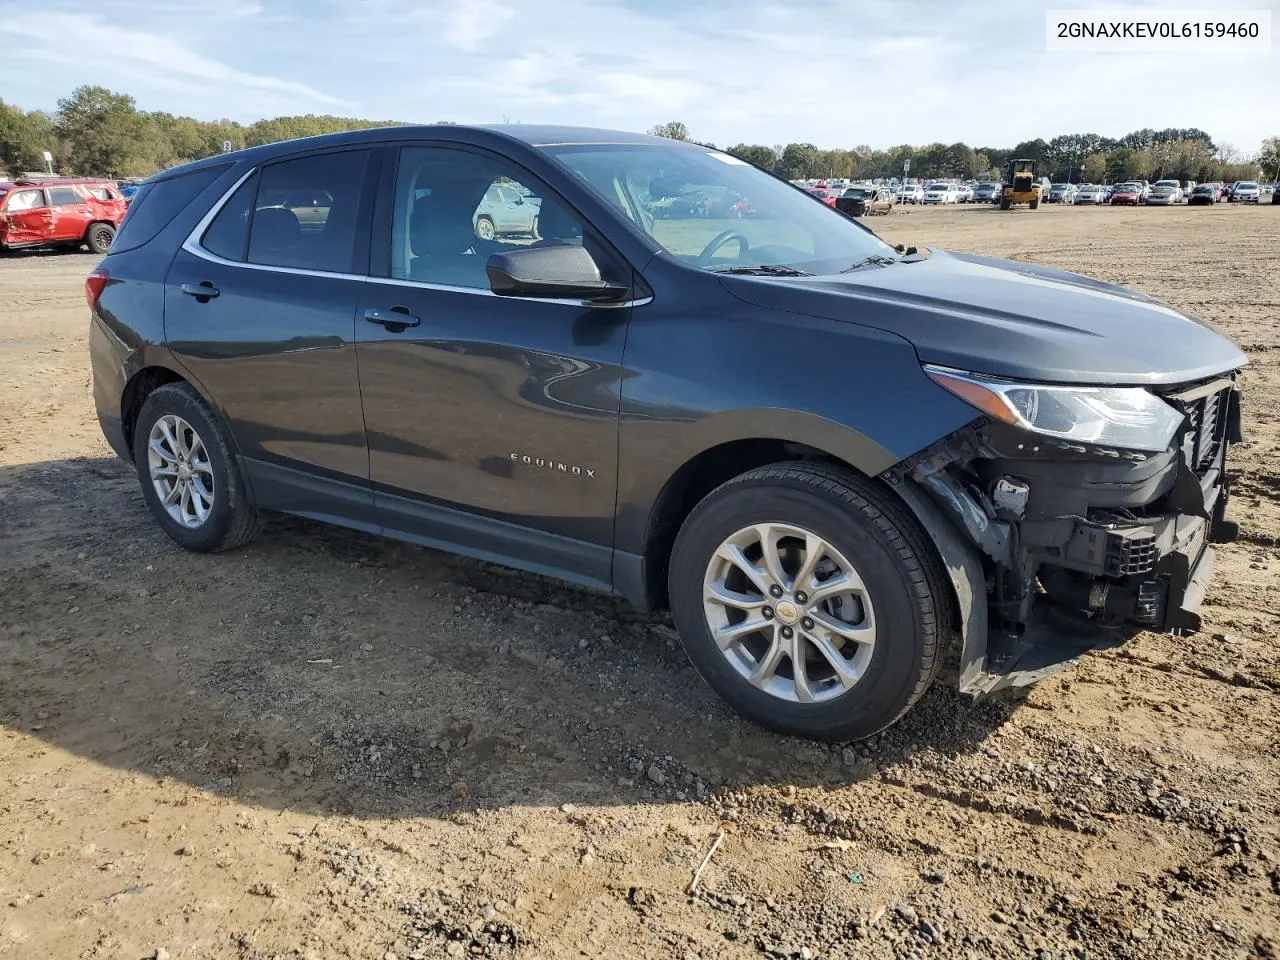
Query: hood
[{"x": 1010, "y": 319}]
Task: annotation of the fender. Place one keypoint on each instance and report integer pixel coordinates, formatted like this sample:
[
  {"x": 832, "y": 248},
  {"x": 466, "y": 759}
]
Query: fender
[{"x": 640, "y": 486}]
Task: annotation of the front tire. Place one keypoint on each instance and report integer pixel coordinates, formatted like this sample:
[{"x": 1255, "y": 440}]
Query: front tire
[
  {"x": 810, "y": 600},
  {"x": 485, "y": 229},
  {"x": 188, "y": 474}
]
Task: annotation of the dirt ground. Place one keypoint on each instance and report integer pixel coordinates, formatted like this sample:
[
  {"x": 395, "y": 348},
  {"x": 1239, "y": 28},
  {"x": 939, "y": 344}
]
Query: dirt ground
[{"x": 332, "y": 745}]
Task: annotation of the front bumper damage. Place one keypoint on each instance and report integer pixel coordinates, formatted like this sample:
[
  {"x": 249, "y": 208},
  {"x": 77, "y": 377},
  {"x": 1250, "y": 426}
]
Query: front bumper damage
[{"x": 1056, "y": 548}]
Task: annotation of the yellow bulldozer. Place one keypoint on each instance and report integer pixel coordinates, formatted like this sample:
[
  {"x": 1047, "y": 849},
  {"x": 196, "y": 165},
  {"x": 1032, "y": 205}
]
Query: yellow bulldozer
[{"x": 1020, "y": 185}]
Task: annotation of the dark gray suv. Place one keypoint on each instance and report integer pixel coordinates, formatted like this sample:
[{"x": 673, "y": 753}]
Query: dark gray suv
[{"x": 837, "y": 461}]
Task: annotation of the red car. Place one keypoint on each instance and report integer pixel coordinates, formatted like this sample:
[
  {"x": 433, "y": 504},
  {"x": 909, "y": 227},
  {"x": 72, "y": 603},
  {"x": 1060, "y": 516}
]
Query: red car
[
  {"x": 1127, "y": 193},
  {"x": 825, "y": 194},
  {"x": 47, "y": 213}
]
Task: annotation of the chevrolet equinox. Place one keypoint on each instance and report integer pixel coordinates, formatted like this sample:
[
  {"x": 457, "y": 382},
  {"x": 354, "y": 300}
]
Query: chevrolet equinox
[{"x": 837, "y": 461}]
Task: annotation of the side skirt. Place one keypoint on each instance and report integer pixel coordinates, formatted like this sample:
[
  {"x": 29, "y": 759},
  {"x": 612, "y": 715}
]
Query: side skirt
[{"x": 360, "y": 507}]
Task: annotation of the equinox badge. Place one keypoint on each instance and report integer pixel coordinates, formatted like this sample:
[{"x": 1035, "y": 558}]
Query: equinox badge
[{"x": 556, "y": 465}]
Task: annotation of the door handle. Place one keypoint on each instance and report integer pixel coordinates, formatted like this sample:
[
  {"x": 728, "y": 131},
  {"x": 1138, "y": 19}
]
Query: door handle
[
  {"x": 204, "y": 291},
  {"x": 395, "y": 319}
]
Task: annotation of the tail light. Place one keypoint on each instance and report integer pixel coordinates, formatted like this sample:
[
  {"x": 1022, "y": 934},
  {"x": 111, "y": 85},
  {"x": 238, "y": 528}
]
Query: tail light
[{"x": 93, "y": 286}]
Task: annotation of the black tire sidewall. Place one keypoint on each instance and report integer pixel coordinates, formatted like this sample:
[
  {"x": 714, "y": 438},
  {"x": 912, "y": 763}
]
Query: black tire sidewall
[
  {"x": 94, "y": 231},
  {"x": 892, "y": 677},
  {"x": 182, "y": 401}
]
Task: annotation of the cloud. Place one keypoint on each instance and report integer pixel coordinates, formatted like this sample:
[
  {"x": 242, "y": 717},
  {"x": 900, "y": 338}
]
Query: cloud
[
  {"x": 765, "y": 71},
  {"x": 152, "y": 50},
  {"x": 471, "y": 23}
]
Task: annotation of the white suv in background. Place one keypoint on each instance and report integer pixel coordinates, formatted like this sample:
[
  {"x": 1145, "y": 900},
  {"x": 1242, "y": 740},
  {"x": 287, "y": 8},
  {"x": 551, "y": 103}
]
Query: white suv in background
[{"x": 941, "y": 193}]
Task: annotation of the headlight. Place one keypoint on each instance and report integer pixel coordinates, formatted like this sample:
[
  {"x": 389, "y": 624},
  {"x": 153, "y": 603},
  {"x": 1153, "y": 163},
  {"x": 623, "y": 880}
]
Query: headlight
[{"x": 1127, "y": 417}]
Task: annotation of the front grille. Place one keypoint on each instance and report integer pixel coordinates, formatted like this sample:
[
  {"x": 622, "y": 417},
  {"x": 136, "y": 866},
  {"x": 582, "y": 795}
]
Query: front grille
[{"x": 1206, "y": 430}]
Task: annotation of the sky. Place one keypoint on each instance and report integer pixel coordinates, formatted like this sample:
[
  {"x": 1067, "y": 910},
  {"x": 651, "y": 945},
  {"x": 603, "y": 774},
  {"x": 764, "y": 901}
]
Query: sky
[{"x": 836, "y": 73}]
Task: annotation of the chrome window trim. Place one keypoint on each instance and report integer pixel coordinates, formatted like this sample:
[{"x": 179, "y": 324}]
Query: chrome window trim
[{"x": 193, "y": 246}]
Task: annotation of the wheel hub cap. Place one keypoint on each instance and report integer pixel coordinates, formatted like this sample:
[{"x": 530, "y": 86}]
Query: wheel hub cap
[
  {"x": 789, "y": 612},
  {"x": 180, "y": 471}
]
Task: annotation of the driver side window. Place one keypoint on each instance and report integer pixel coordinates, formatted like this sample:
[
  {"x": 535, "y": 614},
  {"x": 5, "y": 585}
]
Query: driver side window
[{"x": 453, "y": 208}]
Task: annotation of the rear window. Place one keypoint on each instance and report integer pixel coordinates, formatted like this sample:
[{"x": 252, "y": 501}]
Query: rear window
[
  {"x": 157, "y": 202},
  {"x": 306, "y": 210}
]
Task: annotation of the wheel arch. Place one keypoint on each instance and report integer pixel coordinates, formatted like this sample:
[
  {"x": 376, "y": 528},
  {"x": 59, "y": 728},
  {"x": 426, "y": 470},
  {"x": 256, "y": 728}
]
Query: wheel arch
[
  {"x": 647, "y": 535},
  {"x": 144, "y": 381},
  {"x": 98, "y": 222}
]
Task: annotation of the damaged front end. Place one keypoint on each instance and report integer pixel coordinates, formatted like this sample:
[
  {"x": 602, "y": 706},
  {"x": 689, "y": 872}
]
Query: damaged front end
[{"x": 1057, "y": 546}]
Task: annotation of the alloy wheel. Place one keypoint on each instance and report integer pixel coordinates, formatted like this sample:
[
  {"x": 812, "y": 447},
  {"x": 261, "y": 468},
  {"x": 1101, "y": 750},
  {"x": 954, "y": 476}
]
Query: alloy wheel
[
  {"x": 180, "y": 471},
  {"x": 789, "y": 612}
]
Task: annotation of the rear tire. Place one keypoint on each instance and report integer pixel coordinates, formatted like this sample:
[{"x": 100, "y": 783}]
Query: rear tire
[
  {"x": 1004, "y": 203},
  {"x": 99, "y": 238},
  {"x": 485, "y": 229},
  {"x": 1034, "y": 204},
  {"x": 200, "y": 449},
  {"x": 892, "y": 644}
]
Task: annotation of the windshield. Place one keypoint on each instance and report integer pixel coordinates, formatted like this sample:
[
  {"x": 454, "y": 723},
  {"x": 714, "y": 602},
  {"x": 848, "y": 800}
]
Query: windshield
[
  {"x": 858, "y": 192},
  {"x": 1248, "y": 185},
  {"x": 713, "y": 211}
]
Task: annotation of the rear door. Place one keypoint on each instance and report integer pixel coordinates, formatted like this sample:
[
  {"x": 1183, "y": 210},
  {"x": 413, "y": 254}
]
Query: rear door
[
  {"x": 260, "y": 308},
  {"x": 28, "y": 217},
  {"x": 71, "y": 213}
]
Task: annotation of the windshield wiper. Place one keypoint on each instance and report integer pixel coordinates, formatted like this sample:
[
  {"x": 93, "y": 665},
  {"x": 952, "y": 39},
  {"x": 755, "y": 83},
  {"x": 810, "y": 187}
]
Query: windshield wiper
[
  {"x": 875, "y": 260},
  {"x": 766, "y": 270}
]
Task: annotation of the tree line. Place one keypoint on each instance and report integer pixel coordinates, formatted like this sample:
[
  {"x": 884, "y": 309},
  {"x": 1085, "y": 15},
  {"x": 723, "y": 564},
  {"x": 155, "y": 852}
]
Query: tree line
[
  {"x": 1174, "y": 153},
  {"x": 99, "y": 132}
]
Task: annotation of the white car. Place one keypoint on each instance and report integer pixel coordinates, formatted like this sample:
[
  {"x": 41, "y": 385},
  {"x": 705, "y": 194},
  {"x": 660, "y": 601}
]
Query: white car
[
  {"x": 964, "y": 193},
  {"x": 941, "y": 193},
  {"x": 1165, "y": 192},
  {"x": 1090, "y": 193},
  {"x": 1246, "y": 191},
  {"x": 911, "y": 193}
]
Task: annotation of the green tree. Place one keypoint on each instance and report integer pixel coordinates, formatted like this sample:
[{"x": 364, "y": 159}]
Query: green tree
[
  {"x": 1123, "y": 163},
  {"x": 755, "y": 153},
  {"x": 798, "y": 160},
  {"x": 674, "y": 130},
  {"x": 23, "y": 139},
  {"x": 106, "y": 135},
  {"x": 1036, "y": 149},
  {"x": 1095, "y": 168},
  {"x": 1269, "y": 157}
]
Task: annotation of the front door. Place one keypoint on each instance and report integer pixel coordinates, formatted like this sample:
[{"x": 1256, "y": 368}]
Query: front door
[
  {"x": 492, "y": 421},
  {"x": 261, "y": 311},
  {"x": 28, "y": 218}
]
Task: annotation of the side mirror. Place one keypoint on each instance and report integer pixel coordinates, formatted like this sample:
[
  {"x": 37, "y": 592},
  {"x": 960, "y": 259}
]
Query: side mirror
[{"x": 558, "y": 271}]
